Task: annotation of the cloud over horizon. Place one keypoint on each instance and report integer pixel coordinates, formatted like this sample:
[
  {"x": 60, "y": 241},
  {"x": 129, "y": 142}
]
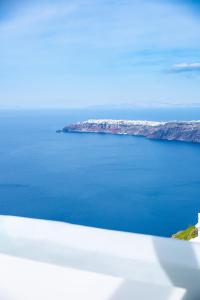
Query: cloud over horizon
[{"x": 186, "y": 67}]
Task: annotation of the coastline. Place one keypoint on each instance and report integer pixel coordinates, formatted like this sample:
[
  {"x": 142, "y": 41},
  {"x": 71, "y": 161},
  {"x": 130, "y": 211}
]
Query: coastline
[{"x": 185, "y": 131}]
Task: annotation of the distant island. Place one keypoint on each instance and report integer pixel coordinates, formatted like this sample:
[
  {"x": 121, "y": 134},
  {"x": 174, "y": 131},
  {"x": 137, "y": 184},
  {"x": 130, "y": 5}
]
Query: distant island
[{"x": 187, "y": 131}]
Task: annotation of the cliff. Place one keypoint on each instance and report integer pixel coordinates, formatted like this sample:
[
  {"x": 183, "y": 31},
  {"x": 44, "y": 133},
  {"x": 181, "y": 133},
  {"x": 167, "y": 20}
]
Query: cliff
[{"x": 188, "y": 131}]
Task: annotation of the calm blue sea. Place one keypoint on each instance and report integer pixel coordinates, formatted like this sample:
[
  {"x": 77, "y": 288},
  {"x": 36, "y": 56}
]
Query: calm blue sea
[{"x": 109, "y": 181}]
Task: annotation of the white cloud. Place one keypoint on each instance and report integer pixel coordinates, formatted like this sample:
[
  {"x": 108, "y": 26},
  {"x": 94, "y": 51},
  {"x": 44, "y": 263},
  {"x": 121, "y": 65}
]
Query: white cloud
[{"x": 186, "y": 67}]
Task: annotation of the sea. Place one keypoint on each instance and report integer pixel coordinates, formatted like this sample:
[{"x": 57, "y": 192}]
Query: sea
[{"x": 115, "y": 182}]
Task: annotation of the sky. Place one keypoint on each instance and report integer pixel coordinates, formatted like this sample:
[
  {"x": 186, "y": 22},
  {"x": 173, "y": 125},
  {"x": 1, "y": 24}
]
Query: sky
[{"x": 80, "y": 53}]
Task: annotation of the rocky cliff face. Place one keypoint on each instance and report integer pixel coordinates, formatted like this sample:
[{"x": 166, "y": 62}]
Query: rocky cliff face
[{"x": 177, "y": 131}]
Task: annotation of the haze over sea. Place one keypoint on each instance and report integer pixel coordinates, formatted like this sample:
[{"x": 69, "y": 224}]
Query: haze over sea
[{"x": 110, "y": 181}]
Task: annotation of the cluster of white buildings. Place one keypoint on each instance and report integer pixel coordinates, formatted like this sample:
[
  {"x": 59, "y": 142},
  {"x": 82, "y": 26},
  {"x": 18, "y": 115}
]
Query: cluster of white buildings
[{"x": 123, "y": 122}]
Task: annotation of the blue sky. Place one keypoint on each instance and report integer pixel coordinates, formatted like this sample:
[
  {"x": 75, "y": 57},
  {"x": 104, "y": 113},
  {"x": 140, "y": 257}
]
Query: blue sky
[{"x": 60, "y": 53}]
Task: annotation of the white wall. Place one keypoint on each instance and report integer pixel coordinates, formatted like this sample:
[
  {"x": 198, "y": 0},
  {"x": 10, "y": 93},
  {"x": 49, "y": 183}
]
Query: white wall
[{"x": 126, "y": 264}]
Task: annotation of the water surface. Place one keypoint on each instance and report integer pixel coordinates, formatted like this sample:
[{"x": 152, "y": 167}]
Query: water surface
[{"x": 109, "y": 181}]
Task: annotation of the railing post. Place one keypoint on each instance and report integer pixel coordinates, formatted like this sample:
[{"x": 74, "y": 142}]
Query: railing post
[{"x": 198, "y": 225}]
